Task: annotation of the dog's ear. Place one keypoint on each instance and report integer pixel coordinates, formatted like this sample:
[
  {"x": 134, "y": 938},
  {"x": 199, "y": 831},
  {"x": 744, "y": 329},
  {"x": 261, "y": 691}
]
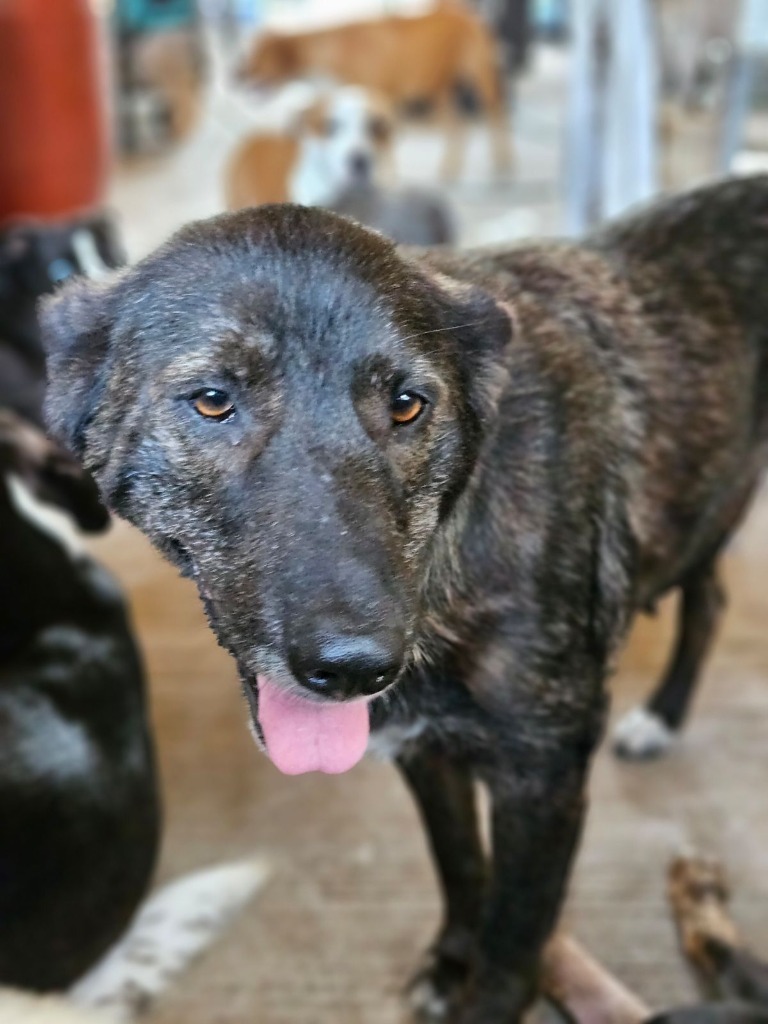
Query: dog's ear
[
  {"x": 481, "y": 328},
  {"x": 76, "y": 325}
]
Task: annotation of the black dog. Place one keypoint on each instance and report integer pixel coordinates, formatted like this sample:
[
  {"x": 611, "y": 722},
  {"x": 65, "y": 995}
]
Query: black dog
[
  {"x": 79, "y": 819},
  {"x": 427, "y": 492},
  {"x": 35, "y": 257}
]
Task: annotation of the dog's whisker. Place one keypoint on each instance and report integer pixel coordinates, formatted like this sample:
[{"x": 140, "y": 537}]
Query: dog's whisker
[{"x": 445, "y": 330}]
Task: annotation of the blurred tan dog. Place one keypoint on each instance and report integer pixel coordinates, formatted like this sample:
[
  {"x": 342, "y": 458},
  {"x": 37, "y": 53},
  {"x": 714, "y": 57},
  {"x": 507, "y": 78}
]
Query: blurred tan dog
[
  {"x": 342, "y": 140},
  {"x": 446, "y": 60},
  {"x": 687, "y": 32}
]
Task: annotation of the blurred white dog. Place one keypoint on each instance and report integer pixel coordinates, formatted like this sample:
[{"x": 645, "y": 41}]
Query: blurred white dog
[{"x": 340, "y": 140}]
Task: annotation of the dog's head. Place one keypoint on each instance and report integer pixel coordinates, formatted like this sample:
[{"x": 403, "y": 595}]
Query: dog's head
[
  {"x": 291, "y": 411},
  {"x": 347, "y": 133},
  {"x": 34, "y": 259}
]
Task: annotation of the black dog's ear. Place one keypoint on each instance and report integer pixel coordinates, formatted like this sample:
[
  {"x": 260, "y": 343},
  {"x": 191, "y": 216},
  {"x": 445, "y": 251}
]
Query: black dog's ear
[{"x": 76, "y": 324}]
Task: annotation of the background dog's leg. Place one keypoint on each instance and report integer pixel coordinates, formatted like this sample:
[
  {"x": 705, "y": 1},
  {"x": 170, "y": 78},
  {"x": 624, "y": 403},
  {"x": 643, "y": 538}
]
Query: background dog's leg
[
  {"x": 501, "y": 142},
  {"x": 454, "y": 127},
  {"x": 497, "y": 116},
  {"x": 445, "y": 796},
  {"x": 648, "y": 731}
]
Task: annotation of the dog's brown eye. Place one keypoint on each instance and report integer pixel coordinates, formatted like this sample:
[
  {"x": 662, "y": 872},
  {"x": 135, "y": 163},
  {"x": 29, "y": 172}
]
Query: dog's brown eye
[
  {"x": 407, "y": 408},
  {"x": 213, "y": 404}
]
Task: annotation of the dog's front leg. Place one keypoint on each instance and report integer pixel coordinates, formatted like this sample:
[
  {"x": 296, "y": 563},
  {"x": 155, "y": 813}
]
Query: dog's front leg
[
  {"x": 445, "y": 797},
  {"x": 537, "y": 811}
]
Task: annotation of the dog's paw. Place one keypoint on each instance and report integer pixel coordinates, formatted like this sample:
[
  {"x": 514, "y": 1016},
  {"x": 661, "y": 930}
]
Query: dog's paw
[
  {"x": 435, "y": 990},
  {"x": 426, "y": 1001},
  {"x": 642, "y": 735}
]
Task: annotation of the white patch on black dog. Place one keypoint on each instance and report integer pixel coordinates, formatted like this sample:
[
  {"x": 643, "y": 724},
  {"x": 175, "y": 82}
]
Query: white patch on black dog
[
  {"x": 174, "y": 927},
  {"x": 387, "y": 742},
  {"x": 51, "y": 521},
  {"x": 427, "y": 1003},
  {"x": 88, "y": 255},
  {"x": 641, "y": 735}
]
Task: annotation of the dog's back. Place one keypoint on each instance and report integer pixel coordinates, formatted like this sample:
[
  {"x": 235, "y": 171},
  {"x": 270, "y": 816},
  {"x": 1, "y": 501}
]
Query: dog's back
[
  {"x": 696, "y": 269},
  {"x": 408, "y": 59},
  {"x": 76, "y": 764},
  {"x": 667, "y": 314}
]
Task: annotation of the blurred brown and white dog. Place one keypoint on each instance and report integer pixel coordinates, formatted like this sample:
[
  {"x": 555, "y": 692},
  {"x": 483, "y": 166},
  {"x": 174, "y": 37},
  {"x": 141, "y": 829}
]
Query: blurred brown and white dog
[
  {"x": 447, "y": 61},
  {"x": 342, "y": 140}
]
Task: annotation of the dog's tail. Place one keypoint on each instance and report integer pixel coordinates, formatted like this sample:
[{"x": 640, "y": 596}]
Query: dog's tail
[{"x": 173, "y": 927}]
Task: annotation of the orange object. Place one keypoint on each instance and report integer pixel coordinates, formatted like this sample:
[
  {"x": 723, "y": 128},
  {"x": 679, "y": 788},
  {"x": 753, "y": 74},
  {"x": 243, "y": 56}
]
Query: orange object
[{"x": 54, "y": 148}]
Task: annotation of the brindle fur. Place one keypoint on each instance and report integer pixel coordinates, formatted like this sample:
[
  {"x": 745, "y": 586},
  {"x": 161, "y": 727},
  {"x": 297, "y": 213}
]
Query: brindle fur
[{"x": 599, "y": 420}]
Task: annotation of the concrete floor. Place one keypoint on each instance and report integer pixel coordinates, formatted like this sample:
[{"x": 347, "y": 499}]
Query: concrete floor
[{"x": 352, "y": 901}]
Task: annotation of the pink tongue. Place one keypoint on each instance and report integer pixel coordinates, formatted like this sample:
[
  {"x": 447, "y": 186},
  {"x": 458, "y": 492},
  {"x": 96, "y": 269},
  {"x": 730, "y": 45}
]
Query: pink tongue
[{"x": 303, "y": 736}]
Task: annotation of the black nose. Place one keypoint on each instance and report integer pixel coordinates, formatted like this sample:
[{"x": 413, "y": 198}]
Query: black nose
[
  {"x": 360, "y": 164},
  {"x": 346, "y": 667}
]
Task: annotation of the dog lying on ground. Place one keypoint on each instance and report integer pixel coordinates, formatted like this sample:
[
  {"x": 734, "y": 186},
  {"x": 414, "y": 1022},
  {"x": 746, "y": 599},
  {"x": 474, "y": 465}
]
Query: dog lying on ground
[
  {"x": 342, "y": 139},
  {"x": 78, "y": 788},
  {"x": 422, "y": 495},
  {"x": 444, "y": 60}
]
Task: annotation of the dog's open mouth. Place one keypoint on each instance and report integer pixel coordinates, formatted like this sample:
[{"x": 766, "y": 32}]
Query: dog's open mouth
[{"x": 302, "y": 735}]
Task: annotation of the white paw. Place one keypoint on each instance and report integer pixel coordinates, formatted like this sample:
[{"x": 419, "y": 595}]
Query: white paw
[
  {"x": 641, "y": 735},
  {"x": 426, "y": 1002}
]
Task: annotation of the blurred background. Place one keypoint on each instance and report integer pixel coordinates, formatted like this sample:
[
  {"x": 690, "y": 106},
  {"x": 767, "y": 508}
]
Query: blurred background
[
  {"x": 497, "y": 120},
  {"x": 606, "y": 104}
]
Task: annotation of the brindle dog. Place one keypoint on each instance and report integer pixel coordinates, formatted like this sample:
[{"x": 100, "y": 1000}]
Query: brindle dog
[{"x": 432, "y": 489}]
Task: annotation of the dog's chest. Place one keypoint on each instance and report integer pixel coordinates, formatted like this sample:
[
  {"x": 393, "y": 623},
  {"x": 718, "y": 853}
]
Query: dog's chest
[
  {"x": 387, "y": 742},
  {"x": 422, "y": 709}
]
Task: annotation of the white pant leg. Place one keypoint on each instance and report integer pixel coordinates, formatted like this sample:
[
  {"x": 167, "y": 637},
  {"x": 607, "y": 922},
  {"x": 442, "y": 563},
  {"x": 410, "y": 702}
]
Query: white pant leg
[
  {"x": 630, "y": 143},
  {"x": 583, "y": 145}
]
